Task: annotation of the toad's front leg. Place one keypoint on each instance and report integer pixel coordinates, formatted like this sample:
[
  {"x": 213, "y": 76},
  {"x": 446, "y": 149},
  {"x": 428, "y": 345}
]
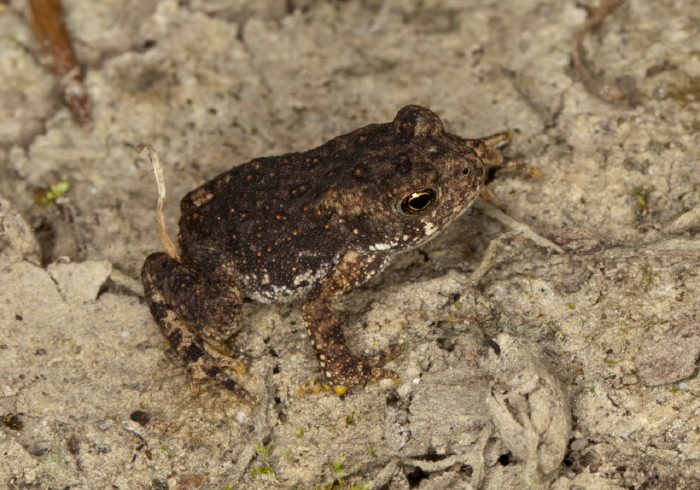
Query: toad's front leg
[{"x": 340, "y": 368}]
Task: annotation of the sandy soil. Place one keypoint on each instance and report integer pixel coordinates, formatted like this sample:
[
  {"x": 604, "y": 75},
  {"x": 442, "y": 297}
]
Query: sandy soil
[{"x": 602, "y": 336}]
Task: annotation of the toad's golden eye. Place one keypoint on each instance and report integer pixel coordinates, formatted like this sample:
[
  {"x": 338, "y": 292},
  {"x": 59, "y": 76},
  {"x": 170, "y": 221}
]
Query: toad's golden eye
[{"x": 417, "y": 202}]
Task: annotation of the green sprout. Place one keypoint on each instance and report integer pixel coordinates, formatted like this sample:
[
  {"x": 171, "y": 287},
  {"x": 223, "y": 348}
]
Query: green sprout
[
  {"x": 338, "y": 464},
  {"x": 264, "y": 452},
  {"x": 47, "y": 196},
  {"x": 641, "y": 200}
]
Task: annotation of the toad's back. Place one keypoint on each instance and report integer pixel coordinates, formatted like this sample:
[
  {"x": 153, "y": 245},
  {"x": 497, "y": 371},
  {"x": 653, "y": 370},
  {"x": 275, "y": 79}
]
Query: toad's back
[{"x": 287, "y": 220}]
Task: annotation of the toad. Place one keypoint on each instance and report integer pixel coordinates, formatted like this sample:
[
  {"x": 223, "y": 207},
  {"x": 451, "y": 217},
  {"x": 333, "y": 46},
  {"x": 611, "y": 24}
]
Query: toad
[{"x": 311, "y": 226}]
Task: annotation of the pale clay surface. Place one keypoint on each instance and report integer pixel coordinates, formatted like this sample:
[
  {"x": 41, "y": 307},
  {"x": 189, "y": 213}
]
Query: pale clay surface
[{"x": 225, "y": 82}]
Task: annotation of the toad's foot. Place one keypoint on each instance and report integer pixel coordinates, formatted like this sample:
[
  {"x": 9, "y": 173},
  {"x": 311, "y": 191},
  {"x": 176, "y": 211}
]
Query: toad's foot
[
  {"x": 344, "y": 370},
  {"x": 202, "y": 363}
]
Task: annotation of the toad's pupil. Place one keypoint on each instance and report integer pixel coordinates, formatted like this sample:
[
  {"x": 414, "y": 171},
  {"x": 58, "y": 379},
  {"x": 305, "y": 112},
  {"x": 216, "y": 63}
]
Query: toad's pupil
[{"x": 419, "y": 200}]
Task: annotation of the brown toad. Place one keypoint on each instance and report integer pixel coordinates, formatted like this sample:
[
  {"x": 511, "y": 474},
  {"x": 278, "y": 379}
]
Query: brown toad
[{"x": 311, "y": 225}]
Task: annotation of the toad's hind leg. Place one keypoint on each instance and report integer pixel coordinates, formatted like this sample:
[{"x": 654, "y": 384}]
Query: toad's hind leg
[{"x": 195, "y": 315}]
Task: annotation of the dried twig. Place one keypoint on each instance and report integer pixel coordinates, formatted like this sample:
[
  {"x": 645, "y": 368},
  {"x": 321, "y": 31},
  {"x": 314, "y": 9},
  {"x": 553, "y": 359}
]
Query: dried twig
[
  {"x": 49, "y": 28},
  {"x": 495, "y": 213},
  {"x": 496, "y": 245},
  {"x": 595, "y": 17},
  {"x": 158, "y": 170}
]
